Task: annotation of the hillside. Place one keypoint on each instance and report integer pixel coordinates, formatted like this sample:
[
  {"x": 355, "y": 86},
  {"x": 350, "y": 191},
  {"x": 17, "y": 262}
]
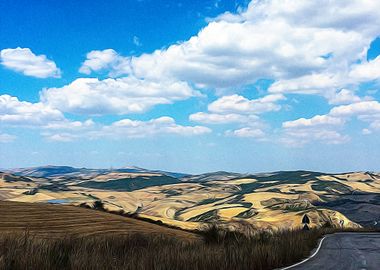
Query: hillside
[
  {"x": 60, "y": 220},
  {"x": 265, "y": 201}
]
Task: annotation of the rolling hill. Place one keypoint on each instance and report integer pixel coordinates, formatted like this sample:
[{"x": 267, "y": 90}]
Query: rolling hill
[{"x": 264, "y": 201}]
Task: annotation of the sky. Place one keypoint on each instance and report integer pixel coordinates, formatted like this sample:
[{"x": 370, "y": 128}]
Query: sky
[{"x": 191, "y": 86}]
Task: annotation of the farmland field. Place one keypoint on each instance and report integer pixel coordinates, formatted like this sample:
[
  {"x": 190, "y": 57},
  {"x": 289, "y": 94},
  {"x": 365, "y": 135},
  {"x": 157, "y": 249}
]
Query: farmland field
[{"x": 44, "y": 220}]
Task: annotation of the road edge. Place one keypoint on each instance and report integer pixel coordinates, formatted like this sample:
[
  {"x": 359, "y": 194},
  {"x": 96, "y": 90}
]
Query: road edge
[{"x": 308, "y": 258}]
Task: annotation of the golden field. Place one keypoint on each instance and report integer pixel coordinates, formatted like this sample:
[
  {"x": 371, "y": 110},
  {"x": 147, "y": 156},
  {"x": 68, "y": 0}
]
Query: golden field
[{"x": 265, "y": 201}]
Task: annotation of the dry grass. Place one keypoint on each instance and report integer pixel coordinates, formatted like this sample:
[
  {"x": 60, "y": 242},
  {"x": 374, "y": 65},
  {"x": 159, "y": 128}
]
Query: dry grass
[
  {"x": 39, "y": 236},
  {"x": 148, "y": 251},
  {"x": 52, "y": 221}
]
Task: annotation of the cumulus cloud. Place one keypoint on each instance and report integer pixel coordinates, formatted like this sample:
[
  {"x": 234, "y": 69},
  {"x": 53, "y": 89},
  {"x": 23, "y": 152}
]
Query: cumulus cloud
[
  {"x": 318, "y": 120},
  {"x": 236, "y": 109},
  {"x": 274, "y": 39},
  {"x": 303, "y": 46},
  {"x": 327, "y": 127},
  {"x": 115, "y": 96},
  {"x": 25, "y": 61},
  {"x": 22, "y": 113},
  {"x": 332, "y": 84},
  {"x": 108, "y": 60},
  {"x": 14, "y": 112},
  {"x": 361, "y": 109},
  {"x": 367, "y": 70},
  {"x": 322, "y": 128}
]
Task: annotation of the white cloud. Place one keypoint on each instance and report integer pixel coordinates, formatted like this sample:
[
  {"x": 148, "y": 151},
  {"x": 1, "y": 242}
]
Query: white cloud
[
  {"x": 367, "y": 70},
  {"x": 302, "y": 136},
  {"x": 361, "y": 109},
  {"x": 239, "y": 110},
  {"x": 332, "y": 84},
  {"x": 240, "y": 104},
  {"x": 214, "y": 118},
  {"x": 344, "y": 96},
  {"x": 105, "y": 60},
  {"x": 226, "y": 54},
  {"x": 162, "y": 125},
  {"x": 326, "y": 128},
  {"x": 115, "y": 96},
  {"x": 72, "y": 125},
  {"x": 322, "y": 128},
  {"x": 6, "y": 138},
  {"x": 25, "y": 61},
  {"x": 22, "y": 113},
  {"x": 305, "y": 47},
  {"x": 127, "y": 128},
  {"x": 246, "y": 132},
  {"x": 274, "y": 39},
  {"x": 55, "y": 127},
  {"x": 63, "y": 137},
  {"x": 14, "y": 112},
  {"x": 318, "y": 120}
]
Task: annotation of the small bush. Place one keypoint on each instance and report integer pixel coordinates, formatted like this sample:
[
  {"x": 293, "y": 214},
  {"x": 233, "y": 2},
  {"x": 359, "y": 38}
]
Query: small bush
[{"x": 99, "y": 205}]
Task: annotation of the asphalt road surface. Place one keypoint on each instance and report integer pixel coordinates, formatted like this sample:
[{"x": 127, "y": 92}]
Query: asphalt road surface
[{"x": 346, "y": 251}]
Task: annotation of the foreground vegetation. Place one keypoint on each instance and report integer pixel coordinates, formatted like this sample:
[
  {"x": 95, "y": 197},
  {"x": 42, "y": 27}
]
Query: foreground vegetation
[{"x": 219, "y": 250}]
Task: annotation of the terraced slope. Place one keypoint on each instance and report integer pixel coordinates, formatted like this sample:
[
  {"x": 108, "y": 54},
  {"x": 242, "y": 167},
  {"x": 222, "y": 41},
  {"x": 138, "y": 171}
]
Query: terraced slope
[{"x": 57, "y": 220}]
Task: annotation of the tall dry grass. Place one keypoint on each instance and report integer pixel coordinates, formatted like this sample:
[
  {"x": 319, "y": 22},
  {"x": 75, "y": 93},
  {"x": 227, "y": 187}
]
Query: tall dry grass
[{"x": 219, "y": 250}]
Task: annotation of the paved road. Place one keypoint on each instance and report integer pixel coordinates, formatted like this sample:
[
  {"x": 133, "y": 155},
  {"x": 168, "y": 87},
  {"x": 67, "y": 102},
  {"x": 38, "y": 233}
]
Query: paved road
[{"x": 346, "y": 251}]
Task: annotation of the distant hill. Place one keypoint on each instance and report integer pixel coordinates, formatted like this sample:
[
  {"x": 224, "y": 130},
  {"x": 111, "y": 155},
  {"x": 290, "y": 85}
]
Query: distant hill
[
  {"x": 220, "y": 176},
  {"x": 67, "y": 171},
  {"x": 53, "y": 171}
]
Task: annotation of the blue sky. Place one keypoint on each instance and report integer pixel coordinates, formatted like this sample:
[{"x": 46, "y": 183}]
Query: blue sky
[{"x": 191, "y": 86}]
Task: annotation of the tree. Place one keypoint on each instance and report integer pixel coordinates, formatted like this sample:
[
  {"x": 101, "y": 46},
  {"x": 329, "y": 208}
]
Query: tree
[
  {"x": 98, "y": 205},
  {"x": 305, "y": 222},
  {"x": 305, "y": 219}
]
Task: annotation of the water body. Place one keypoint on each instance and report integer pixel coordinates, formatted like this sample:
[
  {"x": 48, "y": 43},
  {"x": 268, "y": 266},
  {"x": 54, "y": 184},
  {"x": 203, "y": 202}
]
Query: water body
[{"x": 58, "y": 201}]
